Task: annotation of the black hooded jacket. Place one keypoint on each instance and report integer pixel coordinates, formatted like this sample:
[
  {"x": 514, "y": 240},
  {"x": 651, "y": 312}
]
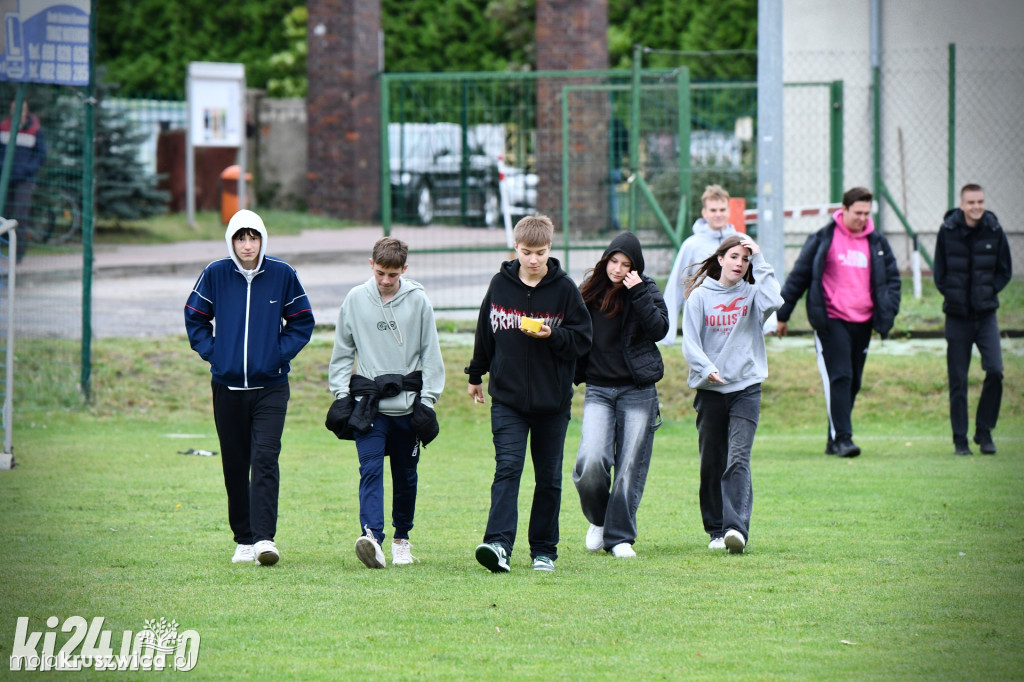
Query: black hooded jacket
[
  {"x": 529, "y": 374},
  {"x": 972, "y": 265},
  {"x": 644, "y": 320}
]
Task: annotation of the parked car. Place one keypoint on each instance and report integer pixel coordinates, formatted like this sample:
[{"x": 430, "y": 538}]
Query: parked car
[{"x": 432, "y": 180}]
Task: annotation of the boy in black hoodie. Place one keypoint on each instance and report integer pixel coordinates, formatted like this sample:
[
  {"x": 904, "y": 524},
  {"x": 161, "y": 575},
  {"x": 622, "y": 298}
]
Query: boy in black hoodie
[{"x": 530, "y": 387}]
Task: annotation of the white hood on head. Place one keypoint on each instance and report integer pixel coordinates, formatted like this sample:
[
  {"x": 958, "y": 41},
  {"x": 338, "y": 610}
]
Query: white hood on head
[{"x": 242, "y": 220}]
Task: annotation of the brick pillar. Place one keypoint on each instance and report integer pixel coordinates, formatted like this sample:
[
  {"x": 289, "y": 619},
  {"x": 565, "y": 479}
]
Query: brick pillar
[
  {"x": 572, "y": 35},
  {"x": 343, "y": 109}
]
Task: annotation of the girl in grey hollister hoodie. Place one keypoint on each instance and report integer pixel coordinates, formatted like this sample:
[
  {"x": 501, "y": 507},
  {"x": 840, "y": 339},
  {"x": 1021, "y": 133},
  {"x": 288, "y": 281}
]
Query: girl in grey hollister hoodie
[{"x": 724, "y": 345}]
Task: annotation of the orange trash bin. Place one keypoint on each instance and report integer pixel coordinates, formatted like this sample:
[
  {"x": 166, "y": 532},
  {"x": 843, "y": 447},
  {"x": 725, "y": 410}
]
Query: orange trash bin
[{"x": 229, "y": 192}]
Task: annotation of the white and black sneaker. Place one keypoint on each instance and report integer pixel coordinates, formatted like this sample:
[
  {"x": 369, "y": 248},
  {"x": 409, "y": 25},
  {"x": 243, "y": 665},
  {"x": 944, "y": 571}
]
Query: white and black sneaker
[
  {"x": 493, "y": 557},
  {"x": 265, "y": 553},
  {"x": 734, "y": 541}
]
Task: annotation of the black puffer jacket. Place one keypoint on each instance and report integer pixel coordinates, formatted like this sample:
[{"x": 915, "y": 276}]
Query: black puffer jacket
[
  {"x": 644, "y": 320},
  {"x": 972, "y": 265},
  {"x": 810, "y": 266}
]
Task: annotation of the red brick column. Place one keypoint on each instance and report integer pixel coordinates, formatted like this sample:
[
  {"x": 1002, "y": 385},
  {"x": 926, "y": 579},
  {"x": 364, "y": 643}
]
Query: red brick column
[
  {"x": 343, "y": 108},
  {"x": 572, "y": 35}
]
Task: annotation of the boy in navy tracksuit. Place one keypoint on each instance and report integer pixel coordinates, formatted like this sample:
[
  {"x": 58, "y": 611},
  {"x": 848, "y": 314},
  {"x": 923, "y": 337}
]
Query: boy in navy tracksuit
[
  {"x": 530, "y": 388},
  {"x": 263, "y": 319}
]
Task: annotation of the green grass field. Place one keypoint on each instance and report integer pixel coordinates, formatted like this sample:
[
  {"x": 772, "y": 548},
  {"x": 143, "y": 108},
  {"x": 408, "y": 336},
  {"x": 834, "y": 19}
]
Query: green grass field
[{"x": 907, "y": 562}]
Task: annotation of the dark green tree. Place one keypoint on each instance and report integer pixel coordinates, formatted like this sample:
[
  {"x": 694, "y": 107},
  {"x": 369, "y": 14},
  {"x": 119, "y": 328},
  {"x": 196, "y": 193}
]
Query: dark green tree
[
  {"x": 147, "y": 44},
  {"x": 124, "y": 188}
]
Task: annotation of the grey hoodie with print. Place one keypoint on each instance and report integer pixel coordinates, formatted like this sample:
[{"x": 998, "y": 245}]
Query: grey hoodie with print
[
  {"x": 399, "y": 336},
  {"x": 722, "y": 329}
]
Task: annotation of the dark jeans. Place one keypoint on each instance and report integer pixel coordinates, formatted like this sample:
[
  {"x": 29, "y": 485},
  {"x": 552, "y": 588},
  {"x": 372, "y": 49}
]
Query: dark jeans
[
  {"x": 961, "y": 334},
  {"x": 249, "y": 425},
  {"x": 726, "y": 423},
  {"x": 388, "y": 436},
  {"x": 618, "y": 432},
  {"x": 842, "y": 349},
  {"x": 546, "y": 432}
]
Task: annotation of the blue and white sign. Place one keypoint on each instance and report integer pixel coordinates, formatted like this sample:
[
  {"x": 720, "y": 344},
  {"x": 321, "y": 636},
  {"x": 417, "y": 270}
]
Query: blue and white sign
[{"x": 45, "y": 41}]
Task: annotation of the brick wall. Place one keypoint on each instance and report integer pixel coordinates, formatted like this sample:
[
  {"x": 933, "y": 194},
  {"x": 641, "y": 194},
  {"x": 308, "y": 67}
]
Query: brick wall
[
  {"x": 343, "y": 108},
  {"x": 573, "y": 35}
]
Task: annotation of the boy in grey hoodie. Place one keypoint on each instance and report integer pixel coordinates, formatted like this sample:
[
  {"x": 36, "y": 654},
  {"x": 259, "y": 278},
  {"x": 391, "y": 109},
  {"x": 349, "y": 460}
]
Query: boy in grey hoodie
[
  {"x": 387, "y": 355},
  {"x": 709, "y": 232},
  {"x": 729, "y": 299}
]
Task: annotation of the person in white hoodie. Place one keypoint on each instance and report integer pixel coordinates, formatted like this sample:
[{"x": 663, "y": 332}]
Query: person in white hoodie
[
  {"x": 728, "y": 300},
  {"x": 709, "y": 232},
  {"x": 386, "y": 355}
]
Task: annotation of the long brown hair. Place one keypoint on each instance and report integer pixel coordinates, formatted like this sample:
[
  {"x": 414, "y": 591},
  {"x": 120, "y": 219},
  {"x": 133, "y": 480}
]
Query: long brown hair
[
  {"x": 710, "y": 267},
  {"x": 597, "y": 288}
]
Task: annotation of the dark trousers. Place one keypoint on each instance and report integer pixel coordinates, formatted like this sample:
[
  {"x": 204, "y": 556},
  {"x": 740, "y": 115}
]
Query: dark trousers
[
  {"x": 388, "y": 436},
  {"x": 961, "y": 334},
  {"x": 726, "y": 423},
  {"x": 249, "y": 425},
  {"x": 842, "y": 350},
  {"x": 510, "y": 429}
]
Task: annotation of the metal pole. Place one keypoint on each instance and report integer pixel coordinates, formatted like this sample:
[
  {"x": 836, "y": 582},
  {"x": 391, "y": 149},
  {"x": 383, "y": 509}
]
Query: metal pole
[
  {"x": 634, "y": 133},
  {"x": 951, "y": 158},
  {"x": 88, "y": 201},
  {"x": 685, "y": 170},
  {"x": 836, "y": 141},
  {"x": 385, "y": 155},
  {"x": 769, "y": 134},
  {"x": 876, "y": 106},
  {"x": 190, "y": 158}
]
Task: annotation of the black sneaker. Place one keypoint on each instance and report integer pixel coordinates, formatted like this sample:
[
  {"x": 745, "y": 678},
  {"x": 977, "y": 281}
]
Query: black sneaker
[
  {"x": 830, "y": 447},
  {"x": 847, "y": 448},
  {"x": 493, "y": 557},
  {"x": 961, "y": 447},
  {"x": 984, "y": 440}
]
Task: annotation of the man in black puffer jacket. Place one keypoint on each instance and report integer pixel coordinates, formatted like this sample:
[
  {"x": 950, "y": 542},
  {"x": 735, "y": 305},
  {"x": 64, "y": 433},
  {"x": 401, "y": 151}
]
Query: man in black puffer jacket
[{"x": 972, "y": 265}]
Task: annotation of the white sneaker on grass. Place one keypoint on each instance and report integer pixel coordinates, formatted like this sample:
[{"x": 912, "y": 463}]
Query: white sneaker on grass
[
  {"x": 595, "y": 538},
  {"x": 401, "y": 553},
  {"x": 623, "y": 550},
  {"x": 493, "y": 557},
  {"x": 734, "y": 541},
  {"x": 265, "y": 553},
  {"x": 543, "y": 563},
  {"x": 243, "y": 555},
  {"x": 717, "y": 543},
  {"x": 369, "y": 551}
]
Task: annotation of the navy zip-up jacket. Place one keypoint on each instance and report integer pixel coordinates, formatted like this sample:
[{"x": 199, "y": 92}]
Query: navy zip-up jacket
[{"x": 262, "y": 322}]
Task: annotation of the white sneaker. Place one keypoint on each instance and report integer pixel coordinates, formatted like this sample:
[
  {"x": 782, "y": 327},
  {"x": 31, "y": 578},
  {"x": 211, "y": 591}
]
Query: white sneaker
[
  {"x": 401, "y": 553},
  {"x": 734, "y": 542},
  {"x": 595, "y": 538},
  {"x": 623, "y": 550},
  {"x": 717, "y": 543},
  {"x": 243, "y": 555},
  {"x": 369, "y": 552},
  {"x": 265, "y": 553}
]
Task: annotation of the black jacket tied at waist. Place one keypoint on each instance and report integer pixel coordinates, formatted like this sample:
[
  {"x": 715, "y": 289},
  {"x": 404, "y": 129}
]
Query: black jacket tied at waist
[{"x": 348, "y": 415}]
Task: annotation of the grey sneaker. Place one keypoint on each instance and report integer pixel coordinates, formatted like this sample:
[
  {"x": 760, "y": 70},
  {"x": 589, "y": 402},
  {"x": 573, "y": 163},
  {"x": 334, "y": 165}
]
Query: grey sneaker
[
  {"x": 493, "y": 557},
  {"x": 543, "y": 563},
  {"x": 369, "y": 551}
]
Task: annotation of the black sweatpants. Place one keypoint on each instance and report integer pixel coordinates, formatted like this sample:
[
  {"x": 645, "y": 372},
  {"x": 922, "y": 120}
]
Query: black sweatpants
[{"x": 249, "y": 425}]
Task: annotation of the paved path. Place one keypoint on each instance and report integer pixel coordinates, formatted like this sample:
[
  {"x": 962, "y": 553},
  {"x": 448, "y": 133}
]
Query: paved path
[{"x": 140, "y": 290}]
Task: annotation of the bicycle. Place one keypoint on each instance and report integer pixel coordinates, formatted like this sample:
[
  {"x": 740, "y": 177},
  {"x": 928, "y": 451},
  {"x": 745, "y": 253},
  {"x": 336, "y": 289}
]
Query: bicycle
[{"x": 56, "y": 216}]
